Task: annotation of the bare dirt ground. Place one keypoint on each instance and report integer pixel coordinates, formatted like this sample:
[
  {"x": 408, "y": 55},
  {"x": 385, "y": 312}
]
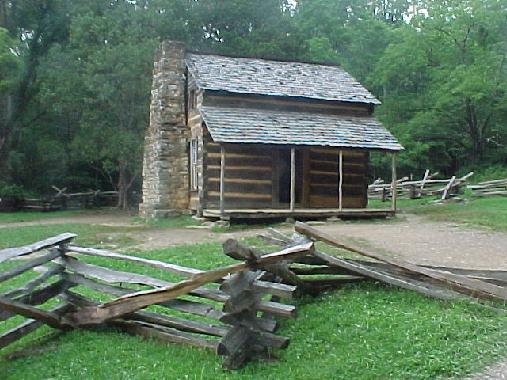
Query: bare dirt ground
[{"x": 411, "y": 237}]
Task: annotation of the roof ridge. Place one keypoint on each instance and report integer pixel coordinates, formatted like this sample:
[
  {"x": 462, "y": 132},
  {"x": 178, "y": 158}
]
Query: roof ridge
[{"x": 268, "y": 59}]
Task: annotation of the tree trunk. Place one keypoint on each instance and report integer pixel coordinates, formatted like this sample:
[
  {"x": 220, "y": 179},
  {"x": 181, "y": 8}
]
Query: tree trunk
[{"x": 125, "y": 181}]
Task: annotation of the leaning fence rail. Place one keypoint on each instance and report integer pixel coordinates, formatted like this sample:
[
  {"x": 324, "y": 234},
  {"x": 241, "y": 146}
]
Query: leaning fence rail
[
  {"x": 414, "y": 189},
  {"x": 231, "y": 310}
]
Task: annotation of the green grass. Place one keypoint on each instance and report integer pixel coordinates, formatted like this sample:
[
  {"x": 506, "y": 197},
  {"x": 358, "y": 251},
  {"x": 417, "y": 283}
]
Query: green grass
[
  {"x": 482, "y": 212},
  {"x": 29, "y": 216},
  {"x": 87, "y": 234},
  {"x": 490, "y": 212},
  {"x": 172, "y": 222},
  {"x": 359, "y": 332}
]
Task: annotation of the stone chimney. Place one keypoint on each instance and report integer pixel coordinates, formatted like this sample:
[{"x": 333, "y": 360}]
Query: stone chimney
[{"x": 165, "y": 166}]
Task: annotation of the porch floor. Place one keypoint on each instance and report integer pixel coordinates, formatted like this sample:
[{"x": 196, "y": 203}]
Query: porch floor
[{"x": 306, "y": 213}]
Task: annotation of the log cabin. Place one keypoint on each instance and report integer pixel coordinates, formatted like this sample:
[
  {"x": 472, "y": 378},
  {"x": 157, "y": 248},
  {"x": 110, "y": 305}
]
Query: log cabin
[{"x": 235, "y": 137}]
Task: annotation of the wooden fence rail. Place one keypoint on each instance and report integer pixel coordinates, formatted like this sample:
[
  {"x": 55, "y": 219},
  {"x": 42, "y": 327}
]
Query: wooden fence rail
[
  {"x": 231, "y": 310},
  {"x": 70, "y": 201},
  {"x": 413, "y": 189},
  {"x": 234, "y": 318},
  {"x": 489, "y": 188}
]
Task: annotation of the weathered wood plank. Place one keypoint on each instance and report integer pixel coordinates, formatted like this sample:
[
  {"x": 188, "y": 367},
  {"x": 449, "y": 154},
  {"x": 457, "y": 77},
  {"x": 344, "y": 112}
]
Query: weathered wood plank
[
  {"x": 390, "y": 278},
  {"x": 25, "y": 328},
  {"x": 130, "y": 303},
  {"x": 203, "y": 310},
  {"x": 154, "y": 318},
  {"x": 29, "y": 264},
  {"x": 47, "y": 317},
  {"x": 32, "y": 284},
  {"x": 9, "y": 253},
  {"x": 113, "y": 276},
  {"x": 172, "y": 268},
  {"x": 180, "y": 324},
  {"x": 164, "y": 334},
  {"x": 37, "y": 297},
  {"x": 469, "y": 286}
]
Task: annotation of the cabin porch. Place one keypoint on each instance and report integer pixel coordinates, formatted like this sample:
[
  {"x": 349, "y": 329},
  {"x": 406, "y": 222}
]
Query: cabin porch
[
  {"x": 259, "y": 181},
  {"x": 298, "y": 214}
]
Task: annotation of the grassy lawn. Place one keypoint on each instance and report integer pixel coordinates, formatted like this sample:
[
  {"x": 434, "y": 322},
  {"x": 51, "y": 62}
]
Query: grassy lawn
[
  {"x": 29, "y": 216},
  {"x": 92, "y": 235},
  {"x": 359, "y": 332},
  {"x": 481, "y": 212}
]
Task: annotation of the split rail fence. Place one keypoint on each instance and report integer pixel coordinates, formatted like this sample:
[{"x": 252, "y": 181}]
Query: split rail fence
[
  {"x": 71, "y": 201},
  {"x": 232, "y": 310},
  {"x": 414, "y": 189},
  {"x": 489, "y": 188}
]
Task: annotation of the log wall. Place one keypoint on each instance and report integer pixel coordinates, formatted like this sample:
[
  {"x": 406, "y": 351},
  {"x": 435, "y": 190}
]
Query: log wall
[
  {"x": 248, "y": 175},
  {"x": 252, "y": 177},
  {"x": 323, "y": 178}
]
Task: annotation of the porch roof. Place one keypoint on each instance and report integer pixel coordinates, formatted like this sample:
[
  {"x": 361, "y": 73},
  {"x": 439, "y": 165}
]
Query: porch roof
[{"x": 256, "y": 126}]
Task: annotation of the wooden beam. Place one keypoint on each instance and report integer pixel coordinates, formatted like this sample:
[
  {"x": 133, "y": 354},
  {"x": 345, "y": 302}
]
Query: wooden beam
[
  {"x": 306, "y": 190},
  {"x": 292, "y": 179},
  {"x": 462, "y": 284},
  {"x": 275, "y": 178},
  {"x": 393, "y": 185},
  {"x": 262, "y": 286},
  {"x": 9, "y": 253},
  {"x": 164, "y": 334},
  {"x": 201, "y": 309},
  {"x": 26, "y": 328},
  {"x": 47, "y": 317},
  {"x": 340, "y": 183},
  {"x": 13, "y": 272},
  {"x": 113, "y": 276},
  {"x": 222, "y": 179},
  {"x": 133, "y": 302}
]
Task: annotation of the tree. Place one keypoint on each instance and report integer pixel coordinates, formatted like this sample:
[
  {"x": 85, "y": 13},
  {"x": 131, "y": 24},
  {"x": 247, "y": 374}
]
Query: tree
[
  {"x": 446, "y": 81},
  {"x": 9, "y": 70}
]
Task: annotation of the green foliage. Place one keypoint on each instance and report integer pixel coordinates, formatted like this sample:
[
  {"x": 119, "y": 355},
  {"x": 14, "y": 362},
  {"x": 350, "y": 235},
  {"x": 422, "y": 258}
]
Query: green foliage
[
  {"x": 9, "y": 62},
  {"x": 12, "y": 191},
  {"x": 78, "y": 84},
  {"x": 488, "y": 173}
]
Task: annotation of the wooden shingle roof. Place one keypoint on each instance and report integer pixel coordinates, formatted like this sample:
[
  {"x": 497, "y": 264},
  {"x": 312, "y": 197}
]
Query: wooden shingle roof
[
  {"x": 276, "y": 78},
  {"x": 260, "y": 126}
]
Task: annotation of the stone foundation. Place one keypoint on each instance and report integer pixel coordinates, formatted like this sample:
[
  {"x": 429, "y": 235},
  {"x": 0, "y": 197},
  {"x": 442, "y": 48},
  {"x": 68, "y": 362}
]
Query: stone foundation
[{"x": 165, "y": 166}]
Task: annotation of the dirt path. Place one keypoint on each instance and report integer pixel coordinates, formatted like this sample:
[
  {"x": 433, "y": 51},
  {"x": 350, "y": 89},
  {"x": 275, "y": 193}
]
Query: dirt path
[
  {"x": 411, "y": 237},
  {"x": 434, "y": 243}
]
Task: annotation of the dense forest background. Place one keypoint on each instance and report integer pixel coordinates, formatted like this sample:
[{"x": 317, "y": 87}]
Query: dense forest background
[{"x": 75, "y": 77}]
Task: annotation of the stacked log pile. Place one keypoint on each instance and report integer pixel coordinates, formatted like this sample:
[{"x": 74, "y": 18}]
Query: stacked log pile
[
  {"x": 232, "y": 310},
  {"x": 414, "y": 189},
  {"x": 489, "y": 188}
]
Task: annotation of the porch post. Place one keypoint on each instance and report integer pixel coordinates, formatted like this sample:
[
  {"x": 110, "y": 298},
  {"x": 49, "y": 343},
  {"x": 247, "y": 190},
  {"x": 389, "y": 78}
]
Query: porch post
[
  {"x": 222, "y": 179},
  {"x": 340, "y": 183},
  {"x": 292, "y": 179},
  {"x": 394, "y": 191}
]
